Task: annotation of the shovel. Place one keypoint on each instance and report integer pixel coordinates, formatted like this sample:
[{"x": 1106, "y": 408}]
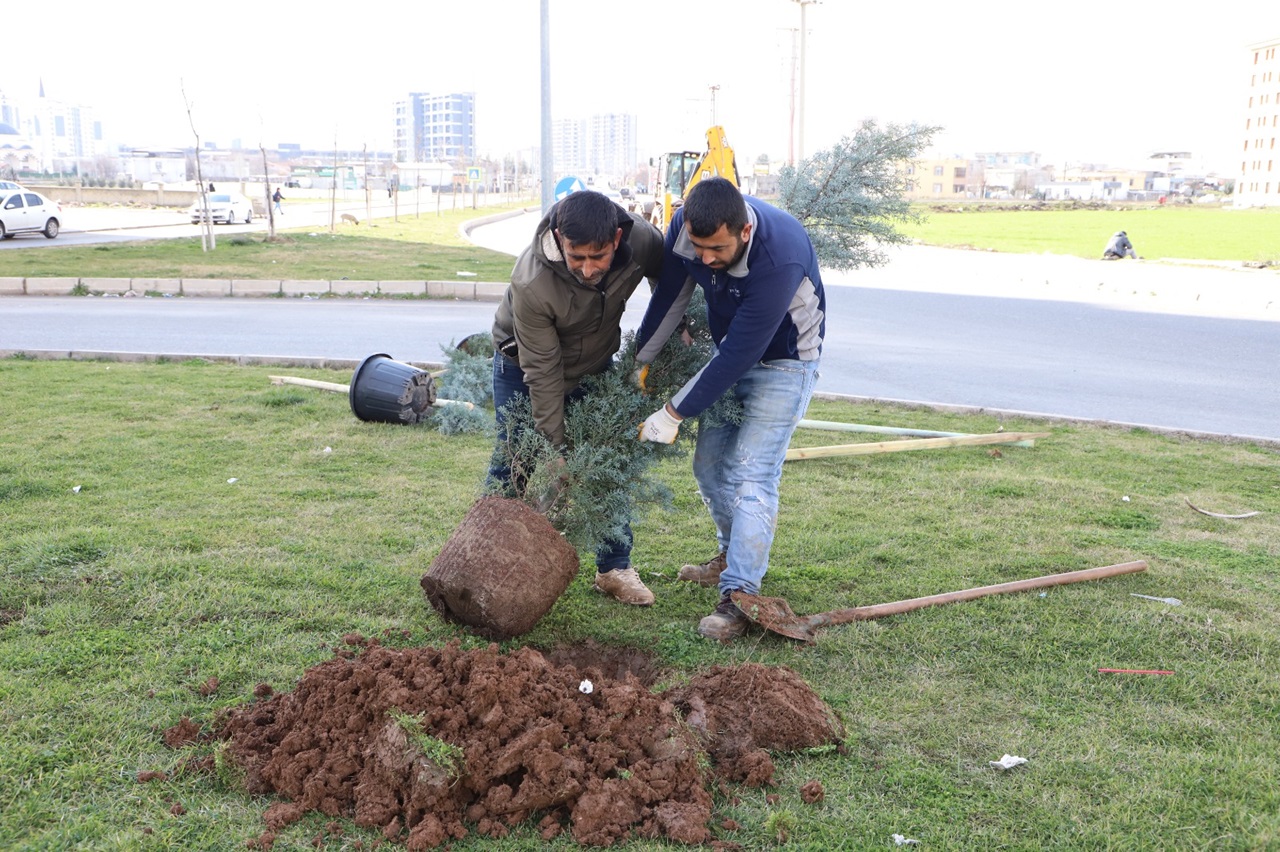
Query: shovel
[{"x": 775, "y": 614}]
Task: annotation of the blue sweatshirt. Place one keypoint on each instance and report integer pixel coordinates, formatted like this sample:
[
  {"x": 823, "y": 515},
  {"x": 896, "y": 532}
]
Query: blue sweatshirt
[{"x": 768, "y": 306}]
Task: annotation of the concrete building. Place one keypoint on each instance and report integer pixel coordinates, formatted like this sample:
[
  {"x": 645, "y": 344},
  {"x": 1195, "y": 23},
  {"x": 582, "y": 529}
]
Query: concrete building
[
  {"x": 1258, "y": 182},
  {"x": 943, "y": 178},
  {"x": 64, "y": 137},
  {"x": 600, "y": 146},
  {"x": 432, "y": 128}
]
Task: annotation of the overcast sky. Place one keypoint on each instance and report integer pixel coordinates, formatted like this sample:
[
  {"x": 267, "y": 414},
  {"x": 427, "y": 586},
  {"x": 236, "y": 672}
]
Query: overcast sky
[{"x": 1085, "y": 81}]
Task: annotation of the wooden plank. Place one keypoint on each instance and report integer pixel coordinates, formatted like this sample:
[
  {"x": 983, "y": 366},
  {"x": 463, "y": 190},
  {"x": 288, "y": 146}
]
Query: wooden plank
[
  {"x": 872, "y": 448},
  {"x": 334, "y": 387},
  {"x": 835, "y": 426}
]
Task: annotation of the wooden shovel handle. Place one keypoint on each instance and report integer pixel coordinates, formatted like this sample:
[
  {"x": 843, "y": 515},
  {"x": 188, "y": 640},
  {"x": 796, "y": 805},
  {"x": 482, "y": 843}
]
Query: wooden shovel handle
[{"x": 865, "y": 613}]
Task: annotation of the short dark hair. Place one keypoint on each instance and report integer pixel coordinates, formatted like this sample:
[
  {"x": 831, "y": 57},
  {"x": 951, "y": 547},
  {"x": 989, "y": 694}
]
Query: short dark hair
[
  {"x": 714, "y": 202},
  {"x": 586, "y": 218}
]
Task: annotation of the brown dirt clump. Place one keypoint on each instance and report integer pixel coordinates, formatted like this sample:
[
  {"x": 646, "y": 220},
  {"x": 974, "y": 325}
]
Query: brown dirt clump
[
  {"x": 431, "y": 744},
  {"x": 743, "y": 713},
  {"x": 812, "y": 792}
]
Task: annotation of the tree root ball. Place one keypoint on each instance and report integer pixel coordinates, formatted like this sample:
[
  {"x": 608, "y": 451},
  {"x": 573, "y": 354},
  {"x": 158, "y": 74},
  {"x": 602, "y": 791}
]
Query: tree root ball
[{"x": 502, "y": 569}]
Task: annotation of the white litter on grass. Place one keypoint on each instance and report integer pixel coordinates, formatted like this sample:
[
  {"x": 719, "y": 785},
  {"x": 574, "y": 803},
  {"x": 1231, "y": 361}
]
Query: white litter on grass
[
  {"x": 467, "y": 274},
  {"x": 1125, "y": 498},
  {"x": 232, "y": 481},
  {"x": 899, "y": 840},
  {"x": 75, "y": 489},
  {"x": 586, "y": 687},
  {"x": 1169, "y": 601},
  {"x": 327, "y": 450},
  {"x": 1007, "y": 762}
]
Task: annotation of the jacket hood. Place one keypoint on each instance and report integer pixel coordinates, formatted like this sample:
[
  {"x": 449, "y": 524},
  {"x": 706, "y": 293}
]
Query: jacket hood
[{"x": 546, "y": 248}]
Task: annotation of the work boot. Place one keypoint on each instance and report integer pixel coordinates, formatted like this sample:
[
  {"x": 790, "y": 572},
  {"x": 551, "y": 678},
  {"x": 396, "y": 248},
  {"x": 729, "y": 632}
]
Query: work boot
[
  {"x": 624, "y": 584},
  {"x": 706, "y": 574},
  {"x": 727, "y": 622}
]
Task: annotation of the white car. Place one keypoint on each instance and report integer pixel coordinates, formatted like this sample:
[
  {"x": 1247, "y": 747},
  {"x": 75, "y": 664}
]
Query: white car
[
  {"x": 27, "y": 212},
  {"x": 223, "y": 207}
]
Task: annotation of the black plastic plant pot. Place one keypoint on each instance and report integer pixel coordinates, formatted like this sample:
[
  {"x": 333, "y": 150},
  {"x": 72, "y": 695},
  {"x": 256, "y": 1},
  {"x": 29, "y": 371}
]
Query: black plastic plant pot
[{"x": 384, "y": 390}]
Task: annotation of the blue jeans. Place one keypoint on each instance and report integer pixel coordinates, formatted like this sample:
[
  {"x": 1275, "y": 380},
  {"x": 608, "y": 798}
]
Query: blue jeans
[
  {"x": 508, "y": 384},
  {"x": 738, "y": 466}
]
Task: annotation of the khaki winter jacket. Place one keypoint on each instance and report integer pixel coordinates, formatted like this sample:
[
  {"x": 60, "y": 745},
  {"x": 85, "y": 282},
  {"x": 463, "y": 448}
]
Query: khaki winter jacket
[{"x": 564, "y": 329}]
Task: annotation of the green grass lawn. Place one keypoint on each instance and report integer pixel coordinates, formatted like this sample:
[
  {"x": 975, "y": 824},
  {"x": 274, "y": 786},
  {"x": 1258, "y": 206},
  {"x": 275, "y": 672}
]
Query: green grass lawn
[
  {"x": 430, "y": 248},
  {"x": 161, "y": 524},
  {"x": 1168, "y": 231},
  {"x": 426, "y": 248}
]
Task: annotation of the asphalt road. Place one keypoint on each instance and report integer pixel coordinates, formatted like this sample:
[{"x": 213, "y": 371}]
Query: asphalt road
[{"x": 1171, "y": 346}]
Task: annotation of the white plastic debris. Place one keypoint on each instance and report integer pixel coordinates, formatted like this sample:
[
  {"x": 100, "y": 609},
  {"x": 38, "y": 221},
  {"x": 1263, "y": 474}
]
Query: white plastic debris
[
  {"x": 1169, "y": 601},
  {"x": 327, "y": 450},
  {"x": 899, "y": 840},
  {"x": 1007, "y": 762},
  {"x": 1125, "y": 498},
  {"x": 586, "y": 687},
  {"x": 75, "y": 489},
  {"x": 232, "y": 481},
  {"x": 467, "y": 274}
]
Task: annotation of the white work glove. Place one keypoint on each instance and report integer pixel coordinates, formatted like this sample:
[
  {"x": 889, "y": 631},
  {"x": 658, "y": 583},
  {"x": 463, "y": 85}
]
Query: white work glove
[{"x": 660, "y": 427}]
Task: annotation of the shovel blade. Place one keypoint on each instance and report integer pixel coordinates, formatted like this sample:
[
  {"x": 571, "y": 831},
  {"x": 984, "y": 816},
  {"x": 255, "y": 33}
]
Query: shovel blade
[{"x": 775, "y": 615}]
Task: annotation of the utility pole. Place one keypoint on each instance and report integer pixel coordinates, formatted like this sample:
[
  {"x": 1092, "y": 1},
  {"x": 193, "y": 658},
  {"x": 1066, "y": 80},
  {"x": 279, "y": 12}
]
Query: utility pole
[
  {"x": 548, "y": 174},
  {"x": 804, "y": 5}
]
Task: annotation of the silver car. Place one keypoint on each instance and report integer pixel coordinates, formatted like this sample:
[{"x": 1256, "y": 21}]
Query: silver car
[
  {"x": 27, "y": 212},
  {"x": 223, "y": 207}
]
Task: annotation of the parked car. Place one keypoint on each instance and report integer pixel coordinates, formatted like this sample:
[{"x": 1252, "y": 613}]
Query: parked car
[
  {"x": 27, "y": 212},
  {"x": 8, "y": 185},
  {"x": 223, "y": 207}
]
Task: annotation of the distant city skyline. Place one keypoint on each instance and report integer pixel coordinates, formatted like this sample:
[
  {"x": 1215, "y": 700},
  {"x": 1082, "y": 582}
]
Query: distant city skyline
[{"x": 1107, "y": 83}]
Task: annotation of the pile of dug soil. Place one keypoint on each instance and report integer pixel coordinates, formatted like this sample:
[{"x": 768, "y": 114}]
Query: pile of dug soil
[{"x": 429, "y": 744}]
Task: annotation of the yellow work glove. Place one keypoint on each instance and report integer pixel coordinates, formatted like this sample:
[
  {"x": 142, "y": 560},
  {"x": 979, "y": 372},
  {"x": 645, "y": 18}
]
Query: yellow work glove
[{"x": 639, "y": 375}]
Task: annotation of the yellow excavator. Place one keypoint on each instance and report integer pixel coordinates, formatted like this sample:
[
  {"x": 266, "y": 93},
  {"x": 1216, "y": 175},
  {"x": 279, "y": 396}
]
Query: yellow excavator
[{"x": 679, "y": 171}]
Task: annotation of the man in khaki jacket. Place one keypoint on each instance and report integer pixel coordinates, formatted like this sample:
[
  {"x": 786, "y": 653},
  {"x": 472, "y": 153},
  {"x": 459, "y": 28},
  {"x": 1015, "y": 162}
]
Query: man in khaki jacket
[{"x": 561, "y": 320}]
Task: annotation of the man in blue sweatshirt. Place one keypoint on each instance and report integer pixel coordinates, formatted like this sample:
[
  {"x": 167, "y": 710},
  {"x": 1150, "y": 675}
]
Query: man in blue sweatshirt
[{"x": 766, "y": 310}]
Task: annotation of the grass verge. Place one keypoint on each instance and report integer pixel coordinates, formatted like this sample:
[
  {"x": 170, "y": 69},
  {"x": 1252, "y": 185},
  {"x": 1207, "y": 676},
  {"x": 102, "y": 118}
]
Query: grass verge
[
  {"x": 426, "y": 248},
  {"x": 1171, "y": 231},
  {"x": 430, "y": 247},
  {"x": 164, "y": 524}
]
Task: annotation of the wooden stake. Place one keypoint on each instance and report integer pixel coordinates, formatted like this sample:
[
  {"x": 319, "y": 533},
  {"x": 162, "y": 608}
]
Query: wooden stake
[
  {"x": 334, "y": 387},
  {"x": 872, "y": 448}
]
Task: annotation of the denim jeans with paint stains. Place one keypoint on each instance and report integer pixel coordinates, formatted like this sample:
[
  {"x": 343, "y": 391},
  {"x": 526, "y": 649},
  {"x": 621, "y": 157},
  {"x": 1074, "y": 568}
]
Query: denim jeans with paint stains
[{"x": 738, "y": 466}]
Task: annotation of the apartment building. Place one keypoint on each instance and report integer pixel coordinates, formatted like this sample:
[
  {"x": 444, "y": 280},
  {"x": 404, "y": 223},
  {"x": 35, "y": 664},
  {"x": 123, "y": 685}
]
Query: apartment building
[
  {"x": 434, "y": 128},
  {"x": 55, "y": 135},
  {"x": 1258, "y": 182},
  {"x": 943, "y": 179},
  {"x": 603, "y": 144}
]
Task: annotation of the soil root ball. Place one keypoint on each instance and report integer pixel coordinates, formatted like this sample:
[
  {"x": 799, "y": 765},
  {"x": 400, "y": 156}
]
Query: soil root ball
[{"x": 501, "y": 570}]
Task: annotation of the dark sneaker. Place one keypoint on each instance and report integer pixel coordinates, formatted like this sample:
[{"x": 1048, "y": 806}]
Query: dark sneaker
[
  {"x": 624, "y": 584},
  {"x": 726, "y": 623},
  {"x": 706, "y": 574}
]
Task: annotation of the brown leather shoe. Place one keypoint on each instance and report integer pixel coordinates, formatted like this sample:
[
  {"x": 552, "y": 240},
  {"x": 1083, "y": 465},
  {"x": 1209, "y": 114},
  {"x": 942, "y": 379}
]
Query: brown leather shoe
[
  {"x": 706, "y": 574},
  {"x": 624, "y": 584},
  {"x": 727, "y": 622}
]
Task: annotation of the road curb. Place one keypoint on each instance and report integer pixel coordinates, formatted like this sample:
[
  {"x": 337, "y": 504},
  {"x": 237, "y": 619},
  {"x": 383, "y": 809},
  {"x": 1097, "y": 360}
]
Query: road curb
[{"x": 477, "y": 291}]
